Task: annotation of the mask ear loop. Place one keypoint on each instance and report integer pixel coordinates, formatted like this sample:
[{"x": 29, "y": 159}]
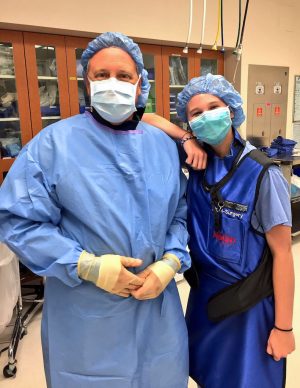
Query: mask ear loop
[
  {"x": 231, "y": 112},
  {"x": 136, "y": 84},
  {"x": 135, "y": 89},
  {"x": 197, "y": 118}
]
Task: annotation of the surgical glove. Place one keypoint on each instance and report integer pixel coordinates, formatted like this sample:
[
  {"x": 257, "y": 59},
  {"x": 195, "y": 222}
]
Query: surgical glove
[
  {"x": 109, "y": 273},
  {"x": 157, "y": 276}
]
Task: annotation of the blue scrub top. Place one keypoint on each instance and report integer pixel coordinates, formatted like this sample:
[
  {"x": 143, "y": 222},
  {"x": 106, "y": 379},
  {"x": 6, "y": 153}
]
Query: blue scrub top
[{"x": 273, "y": 206}]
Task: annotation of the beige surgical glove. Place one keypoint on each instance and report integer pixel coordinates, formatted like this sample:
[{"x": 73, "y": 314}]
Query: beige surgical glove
[
  {"x": 157, "y": 276},
  {"x": 109, "y": 273}
]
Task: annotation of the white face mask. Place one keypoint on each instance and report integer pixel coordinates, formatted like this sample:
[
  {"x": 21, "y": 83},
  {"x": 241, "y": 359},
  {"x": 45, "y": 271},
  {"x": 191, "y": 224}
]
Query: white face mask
[{"x": 114, "y": 100}]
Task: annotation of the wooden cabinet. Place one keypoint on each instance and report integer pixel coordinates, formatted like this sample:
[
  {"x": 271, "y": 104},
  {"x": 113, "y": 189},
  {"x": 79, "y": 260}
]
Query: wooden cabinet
[
  {"x": 15, "y": 123},
  {"x": 152, "y": 56},
  {"x": 77, "y": 93},
  {"x": 41, "y": 82},
  {"x": 179, "y": 68},
  {"x": 210, "y": 61},
  {"x": 47, "y": 79}
]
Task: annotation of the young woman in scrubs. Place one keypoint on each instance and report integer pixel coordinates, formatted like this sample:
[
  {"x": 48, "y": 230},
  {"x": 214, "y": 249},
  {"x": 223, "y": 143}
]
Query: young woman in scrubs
[{"x": 240, "y": 306}]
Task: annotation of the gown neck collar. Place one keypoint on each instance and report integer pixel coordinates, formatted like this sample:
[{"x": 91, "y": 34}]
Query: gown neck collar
[{"x": 128, "y": 125}]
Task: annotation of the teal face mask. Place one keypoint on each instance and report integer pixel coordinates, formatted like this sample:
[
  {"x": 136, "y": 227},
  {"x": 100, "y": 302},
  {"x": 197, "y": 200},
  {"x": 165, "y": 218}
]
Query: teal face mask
[{"x": 212, "y": 126}]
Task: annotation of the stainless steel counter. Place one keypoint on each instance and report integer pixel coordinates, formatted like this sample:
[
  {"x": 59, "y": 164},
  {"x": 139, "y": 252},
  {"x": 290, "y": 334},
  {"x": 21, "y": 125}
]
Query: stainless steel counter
[{"x": 286, "y": 163}]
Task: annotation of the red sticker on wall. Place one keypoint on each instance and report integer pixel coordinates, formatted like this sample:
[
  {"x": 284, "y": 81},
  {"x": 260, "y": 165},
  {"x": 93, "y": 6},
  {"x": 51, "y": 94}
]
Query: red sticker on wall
[
  {"x": 277, "y": 110},
  {"x": 259, "y": 112}
]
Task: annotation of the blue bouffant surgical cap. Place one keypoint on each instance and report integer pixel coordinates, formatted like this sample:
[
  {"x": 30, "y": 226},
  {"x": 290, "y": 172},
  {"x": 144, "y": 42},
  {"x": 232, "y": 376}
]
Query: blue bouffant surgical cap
[
  {"x": 216, "y": 85},
  {"x": 116, "y": 39}
]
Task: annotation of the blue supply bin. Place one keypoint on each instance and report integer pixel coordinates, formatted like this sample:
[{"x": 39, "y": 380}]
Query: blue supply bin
[
  {"x": 283, "y": 146},
  {"x": 50, "y": 111}
]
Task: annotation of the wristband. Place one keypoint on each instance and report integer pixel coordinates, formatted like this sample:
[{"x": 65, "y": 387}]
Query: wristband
[
  {"x": 286, "y": 330},
  {"x": 187, "y": 138},
  {"x": 186, "y": 133}
]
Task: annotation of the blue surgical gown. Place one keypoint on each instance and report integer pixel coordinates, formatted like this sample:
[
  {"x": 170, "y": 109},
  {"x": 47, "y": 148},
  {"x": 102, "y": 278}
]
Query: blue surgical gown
[{"x": 79, "y": 185}]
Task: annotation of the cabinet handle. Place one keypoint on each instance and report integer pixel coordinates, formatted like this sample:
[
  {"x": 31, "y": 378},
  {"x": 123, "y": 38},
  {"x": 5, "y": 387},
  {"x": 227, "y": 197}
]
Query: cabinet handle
[
  {"x": 279, "y": 131},
  {"x": 263, "y": 133}
]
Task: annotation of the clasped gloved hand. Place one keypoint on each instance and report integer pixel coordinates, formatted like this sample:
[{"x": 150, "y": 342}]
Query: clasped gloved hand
[
  {"x": 157, "y": 276},
  {"x": 109, "y": 272}
]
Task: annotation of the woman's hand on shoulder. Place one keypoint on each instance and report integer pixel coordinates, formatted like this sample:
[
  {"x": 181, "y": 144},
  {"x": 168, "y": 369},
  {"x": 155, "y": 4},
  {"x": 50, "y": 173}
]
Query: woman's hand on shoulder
[{"x": 196, "y": 156}]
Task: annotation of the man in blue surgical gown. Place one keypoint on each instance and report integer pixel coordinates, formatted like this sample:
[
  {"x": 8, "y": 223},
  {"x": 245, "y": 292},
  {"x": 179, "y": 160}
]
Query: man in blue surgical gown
[{"x": 96, "y": 204}]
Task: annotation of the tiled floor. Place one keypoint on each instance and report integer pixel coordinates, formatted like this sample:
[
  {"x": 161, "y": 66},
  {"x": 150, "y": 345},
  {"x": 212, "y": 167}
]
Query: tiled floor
[{"x": 30, "y": 365}]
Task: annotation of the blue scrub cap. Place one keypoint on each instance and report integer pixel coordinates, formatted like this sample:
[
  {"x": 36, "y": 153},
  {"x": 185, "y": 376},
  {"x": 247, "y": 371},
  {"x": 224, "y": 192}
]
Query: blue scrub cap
[
  {"x": 216, "y": 85},
  {"x": 116, "y": 39}
]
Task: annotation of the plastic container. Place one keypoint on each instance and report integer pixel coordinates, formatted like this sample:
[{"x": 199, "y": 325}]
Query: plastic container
[
  {"x": 151, "y": 74},
  {"x": 9, "y": 284},
  {"x": 149, "y": 106},
  {"x": 50, "y": 110},
  {"x": 13, "y": 149},
  {"x": 296, "y": 171},
  {"x": 81, "y": 109}
]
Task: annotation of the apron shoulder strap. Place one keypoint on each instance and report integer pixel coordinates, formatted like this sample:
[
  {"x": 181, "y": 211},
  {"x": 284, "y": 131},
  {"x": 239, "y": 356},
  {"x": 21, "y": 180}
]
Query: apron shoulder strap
[{"x": 244, "y": 294}]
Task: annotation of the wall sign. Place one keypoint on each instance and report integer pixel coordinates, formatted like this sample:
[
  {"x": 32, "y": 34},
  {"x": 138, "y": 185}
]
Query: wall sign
[{"x": 296, "y": 116}]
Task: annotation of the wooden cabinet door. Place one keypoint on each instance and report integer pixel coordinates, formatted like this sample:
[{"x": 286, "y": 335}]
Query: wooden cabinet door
[
  {"x": 210, "y": 61},
  {"x": 178, "y": 69},
  {"x": 46, "y": 66},
  {"x": 15, "y": 126},
  {"x": 79, "y": 99},
  {"x": 152, "y": 56}
]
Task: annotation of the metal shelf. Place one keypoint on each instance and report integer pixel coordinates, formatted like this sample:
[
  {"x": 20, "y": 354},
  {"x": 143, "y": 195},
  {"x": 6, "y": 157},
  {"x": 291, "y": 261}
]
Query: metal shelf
[
  {"x": 7, "y": 76},
  {"x": 9, "y": 119},
  {"x": 177, "y": 86},
  {"x": 173, "y": 113},
  {"x": 46, "y": 77},
  {"x": 50, "y": 117}
]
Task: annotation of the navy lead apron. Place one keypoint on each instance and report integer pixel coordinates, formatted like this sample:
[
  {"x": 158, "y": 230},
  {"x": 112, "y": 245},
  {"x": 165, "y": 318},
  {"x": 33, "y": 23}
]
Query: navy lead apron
[{"x": 228, "y": 334}]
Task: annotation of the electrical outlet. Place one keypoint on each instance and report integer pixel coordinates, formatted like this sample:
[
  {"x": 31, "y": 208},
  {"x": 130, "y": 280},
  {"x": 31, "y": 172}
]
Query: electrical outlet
[
  {"x": 259, "y": 89},
  {"x": 277, "y": 88}
]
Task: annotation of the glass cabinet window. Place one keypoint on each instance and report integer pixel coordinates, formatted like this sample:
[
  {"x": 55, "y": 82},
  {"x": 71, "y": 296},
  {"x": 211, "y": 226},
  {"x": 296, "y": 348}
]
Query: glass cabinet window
[
  {"x": 209, "y": 66},
  {"x": 149, "y": 66},
  {"x": 178, "y": 72},
  {"x": 84, "y": 100},
  {"x": 48, "y": 84},
  {"x": 10, "y": 134}
]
